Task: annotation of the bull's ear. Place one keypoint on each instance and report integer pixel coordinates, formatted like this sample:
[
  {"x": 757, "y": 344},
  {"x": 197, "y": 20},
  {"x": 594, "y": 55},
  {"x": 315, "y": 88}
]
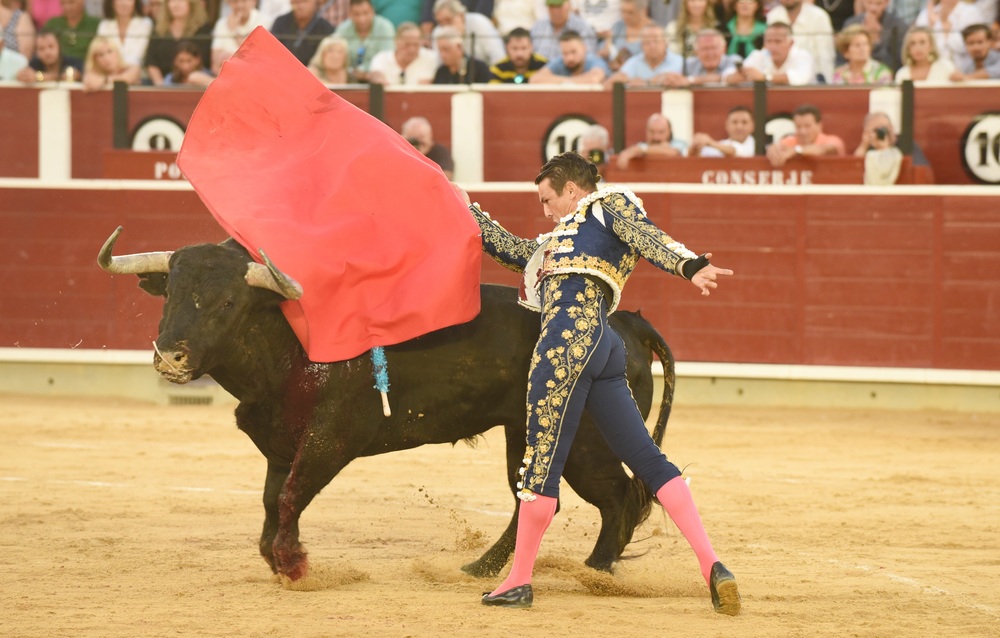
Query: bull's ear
[{"x": 155, "y": 283}]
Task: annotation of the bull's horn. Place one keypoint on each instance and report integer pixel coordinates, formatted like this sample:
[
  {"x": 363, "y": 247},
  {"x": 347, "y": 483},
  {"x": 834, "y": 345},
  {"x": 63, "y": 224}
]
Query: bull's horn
[
  {"x": 131, "y": 264},
  {"x": 268, "y": 276}
]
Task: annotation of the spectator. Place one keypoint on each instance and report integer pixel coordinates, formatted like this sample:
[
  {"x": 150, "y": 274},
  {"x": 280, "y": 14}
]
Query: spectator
[
  {"x": 921, "y": 60},
  {"x": 330, "y": 64},
  {"x": 189, "y": 66},
  {"x": 399, "y": 12},
  {"x": 271, "y": 9},
  {"x": 511, "y": 14},
  {"x": 626, "y": 34},
  {"x": 151, "y": 9},
  {"x": 427, "y": 17},
  {"x": 366, "y": 34},
  {"x": 654, "y": 66},
  {"x": 595, "y": 145},
  {"x": 659, "y": 142},
  {"x": 740, "y": 143},
  {"x": 75, "y": 28},
  {"x": 123, "y": 21},
  {"x": 780, "y": 62},
  {"x": 41, "y": 10},
  {"x": 838, "y": 11},
  {"x": 521, "y": 62},
  {"x": 457, "y": 67},
  {"x": 711, "y": 65},
  {"x": 746, "y": 28},
  {"x": 481, "y": 39},
  {"x": 11, "y": 62},
  {"x": 546, "y": 32},
  {"x": 336, "y": 12},
  {"x": 417, "y": 131},
  {"x": 907, "y": 10},
  {"x": 692, "y": 17},
  {"x": 105, "y": 65},
  {"x": 601, "y": 15},
  {"x": 49, "y": 63},
  {"x": 883, "y": 159},
  {"x": 302, "y": 29},
  {"x": 408, "y": 64},
  {"x": 946, "y": 19},
  {"x": 178, "y": 20},
  {"x": 984, "y": 60},
  {"x": 230, "y": 31},
  {"x": 855, "y": 45},
  {"x": 870, "y": 135},
  {"x": 809, "y": 138},
  {"x": 575, "y": 65},
  {"x": 813, "y": 32},
  {"x": 886, "y": 31},
  {"x": 17, "y": 28}
]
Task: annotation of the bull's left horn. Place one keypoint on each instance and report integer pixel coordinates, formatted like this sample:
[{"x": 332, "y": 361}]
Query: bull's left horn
[
  {"x": 268, "y": 276},
  {"x": 131, "y": 264}
]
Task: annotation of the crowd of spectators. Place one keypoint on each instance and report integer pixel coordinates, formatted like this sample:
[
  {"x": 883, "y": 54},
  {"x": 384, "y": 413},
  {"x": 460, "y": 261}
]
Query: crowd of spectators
[{"x": 638, "y": 42}]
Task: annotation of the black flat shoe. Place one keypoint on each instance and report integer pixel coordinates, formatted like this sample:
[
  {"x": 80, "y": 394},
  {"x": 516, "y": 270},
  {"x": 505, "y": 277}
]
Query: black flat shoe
[
  {"x": 520, "y": 596},
  {"x": 725, "y": 594}
]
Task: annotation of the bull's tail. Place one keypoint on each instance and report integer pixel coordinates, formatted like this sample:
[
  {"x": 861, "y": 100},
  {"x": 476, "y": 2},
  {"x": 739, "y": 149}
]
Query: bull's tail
[{"x": 639, "y": 499}]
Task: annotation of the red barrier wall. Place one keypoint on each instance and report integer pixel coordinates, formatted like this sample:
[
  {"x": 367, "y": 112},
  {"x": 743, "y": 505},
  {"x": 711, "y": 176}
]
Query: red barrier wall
[{"x": 840, "y": 279}]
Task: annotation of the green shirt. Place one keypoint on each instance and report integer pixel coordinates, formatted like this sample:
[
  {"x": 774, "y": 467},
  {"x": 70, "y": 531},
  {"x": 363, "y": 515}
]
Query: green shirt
[
  {"x": 360, "y": 52},
  {"x": 74, "y": 41},
  {"x": 398, "y": 11}
]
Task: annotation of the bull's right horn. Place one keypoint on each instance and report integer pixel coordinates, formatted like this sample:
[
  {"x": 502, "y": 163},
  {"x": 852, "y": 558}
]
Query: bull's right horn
[
  {"x": 268, "y": 276},
  {"x": 131, "y": 264}
]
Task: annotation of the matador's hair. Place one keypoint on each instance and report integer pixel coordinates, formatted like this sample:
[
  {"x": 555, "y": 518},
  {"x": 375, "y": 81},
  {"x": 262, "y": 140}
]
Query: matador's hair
[{"x": 569, "y": 167}]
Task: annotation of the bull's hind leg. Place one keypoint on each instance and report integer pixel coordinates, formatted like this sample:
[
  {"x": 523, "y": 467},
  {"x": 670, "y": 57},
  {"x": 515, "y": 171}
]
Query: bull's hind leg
[{"x": 598, "y": 477}]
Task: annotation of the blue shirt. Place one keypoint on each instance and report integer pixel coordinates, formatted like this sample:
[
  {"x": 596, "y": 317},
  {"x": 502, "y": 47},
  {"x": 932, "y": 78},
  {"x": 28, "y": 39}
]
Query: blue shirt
[
  {"x": 545, "y": 39},
  {"x": 637, "y": 66},
  {"x": 558, "y": 67}
]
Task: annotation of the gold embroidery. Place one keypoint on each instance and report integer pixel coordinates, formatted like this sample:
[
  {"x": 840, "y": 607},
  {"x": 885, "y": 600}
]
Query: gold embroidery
[
  {"x": 507, "y": 249},
  {"x": 629, "y": 222},
  {"x": 567, "y": 358}
]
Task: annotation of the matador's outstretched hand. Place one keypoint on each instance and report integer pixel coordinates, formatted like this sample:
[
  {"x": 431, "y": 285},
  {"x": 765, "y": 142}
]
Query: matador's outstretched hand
[{"x": 706, "y": 278}]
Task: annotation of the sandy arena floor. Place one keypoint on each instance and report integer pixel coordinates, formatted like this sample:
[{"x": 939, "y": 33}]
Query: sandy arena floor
[{"x": 121, "y": 519}]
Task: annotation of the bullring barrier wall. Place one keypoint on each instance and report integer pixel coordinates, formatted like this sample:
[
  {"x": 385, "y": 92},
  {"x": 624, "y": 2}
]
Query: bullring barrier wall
[{"x": 852, "y": 286}]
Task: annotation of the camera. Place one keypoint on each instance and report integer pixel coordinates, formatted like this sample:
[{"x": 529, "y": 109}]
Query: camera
[
  {"x": 414, "y": 141},
  {"x": 596, "y": 156},
  {"x": 881, "y": 133}
]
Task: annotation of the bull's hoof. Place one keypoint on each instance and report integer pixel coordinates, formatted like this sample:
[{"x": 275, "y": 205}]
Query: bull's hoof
[
  {"x": 296, "y": 572},
  {"x": 600, "y": 564},
  {"x": 483, "y": 568}
]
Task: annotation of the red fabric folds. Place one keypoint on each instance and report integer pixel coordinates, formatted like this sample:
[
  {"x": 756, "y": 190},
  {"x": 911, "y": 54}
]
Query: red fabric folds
[{"x": 383, "y": 247}]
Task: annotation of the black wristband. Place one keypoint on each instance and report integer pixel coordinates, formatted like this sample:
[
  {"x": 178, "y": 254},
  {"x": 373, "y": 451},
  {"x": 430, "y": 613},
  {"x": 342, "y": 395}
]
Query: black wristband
[{"x": 692, "y": 266}]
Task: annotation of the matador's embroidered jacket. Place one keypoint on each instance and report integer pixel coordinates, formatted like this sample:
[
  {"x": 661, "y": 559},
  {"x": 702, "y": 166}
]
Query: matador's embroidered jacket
[{"x": 604, "y": 238}]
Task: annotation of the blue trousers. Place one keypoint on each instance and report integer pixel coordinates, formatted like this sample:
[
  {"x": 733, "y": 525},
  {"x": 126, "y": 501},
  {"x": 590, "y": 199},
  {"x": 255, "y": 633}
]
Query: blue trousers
[{"x": 579, "y": 361}]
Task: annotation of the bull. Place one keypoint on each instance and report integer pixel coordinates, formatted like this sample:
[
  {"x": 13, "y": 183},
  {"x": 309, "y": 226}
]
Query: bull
[{"x": 221, "y": 317}]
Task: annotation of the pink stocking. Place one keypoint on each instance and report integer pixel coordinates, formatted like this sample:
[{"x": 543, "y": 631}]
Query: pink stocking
[
  {"x": 533, "y": 520},
  {"x": 676, "y": 499}
]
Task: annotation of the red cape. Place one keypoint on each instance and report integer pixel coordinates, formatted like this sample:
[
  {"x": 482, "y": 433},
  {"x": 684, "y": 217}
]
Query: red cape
[{"x": 383, "y": 247}]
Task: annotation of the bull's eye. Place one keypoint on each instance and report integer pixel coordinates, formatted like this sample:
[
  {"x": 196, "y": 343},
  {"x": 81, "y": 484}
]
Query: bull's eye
[{"x": 226, "y": 305}]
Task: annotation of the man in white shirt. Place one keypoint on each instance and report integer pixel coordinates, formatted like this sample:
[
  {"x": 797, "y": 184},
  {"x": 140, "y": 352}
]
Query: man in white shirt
[
  {"x": 740, "y": 143},
  {"x": 231, "y": 30},
  {"x": 409, "y": 63},
  {"x": 780, "y": 62},
  {"x": 481, "y": 38},
  {"x": 813, "y": 32}
]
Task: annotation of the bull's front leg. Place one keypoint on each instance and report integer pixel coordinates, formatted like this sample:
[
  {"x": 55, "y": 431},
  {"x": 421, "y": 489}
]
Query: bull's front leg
[
  {"x": 277, "y": 474},
  {"x": 313, "y": 468}
]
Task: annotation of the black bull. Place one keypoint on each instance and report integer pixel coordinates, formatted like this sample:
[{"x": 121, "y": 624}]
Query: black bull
[{"x": 310, "y": 420}]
